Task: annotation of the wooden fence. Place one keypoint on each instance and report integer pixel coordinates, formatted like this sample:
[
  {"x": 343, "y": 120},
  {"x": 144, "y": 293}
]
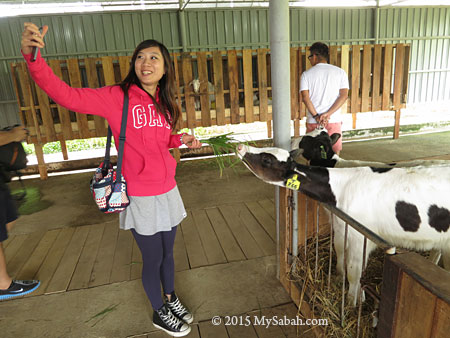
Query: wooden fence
[
  {"x": 415, "y": 293},
  {"x": 241, "y": 92}
]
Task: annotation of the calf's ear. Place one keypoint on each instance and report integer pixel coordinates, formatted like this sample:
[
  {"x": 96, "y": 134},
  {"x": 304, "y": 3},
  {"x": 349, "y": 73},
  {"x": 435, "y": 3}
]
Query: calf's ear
[{"x": 334, "y": 138}]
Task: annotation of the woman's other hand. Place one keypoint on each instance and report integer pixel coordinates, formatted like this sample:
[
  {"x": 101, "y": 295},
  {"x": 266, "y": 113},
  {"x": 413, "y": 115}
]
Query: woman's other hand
[
  {"x": 31, "y": 37},
  {"x": 191, "y": 142}
]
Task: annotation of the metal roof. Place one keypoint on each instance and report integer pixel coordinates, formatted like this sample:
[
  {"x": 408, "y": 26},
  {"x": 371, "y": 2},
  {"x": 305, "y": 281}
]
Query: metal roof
[{"x": 35, "y": 7}]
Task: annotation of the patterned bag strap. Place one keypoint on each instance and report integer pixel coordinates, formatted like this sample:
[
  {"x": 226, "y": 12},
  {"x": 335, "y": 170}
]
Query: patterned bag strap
[{"x": 123, "y": 129}]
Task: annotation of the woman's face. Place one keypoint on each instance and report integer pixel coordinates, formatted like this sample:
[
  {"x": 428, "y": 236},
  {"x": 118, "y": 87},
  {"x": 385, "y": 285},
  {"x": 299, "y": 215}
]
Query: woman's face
[{"x": 149, "y": 68}]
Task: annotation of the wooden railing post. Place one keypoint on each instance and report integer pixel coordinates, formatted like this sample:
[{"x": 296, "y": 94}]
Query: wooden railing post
[{"x": 415, "y": 298}]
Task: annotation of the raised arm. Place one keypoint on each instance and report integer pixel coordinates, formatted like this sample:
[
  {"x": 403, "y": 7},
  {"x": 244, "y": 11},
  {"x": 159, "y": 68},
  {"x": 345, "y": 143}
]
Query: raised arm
[{"x": 82, "y": 100}]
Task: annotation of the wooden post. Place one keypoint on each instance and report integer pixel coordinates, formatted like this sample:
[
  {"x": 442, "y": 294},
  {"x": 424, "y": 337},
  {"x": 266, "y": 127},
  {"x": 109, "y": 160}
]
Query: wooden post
[
  {"x": 398, "y": 85},
  {"x": 233, "y": 80},
  {"x": 345, "y": 51},
  {"x": 63, "y": 147},
  {"x": 295, "y": 81},
  {"x": 356, "y": 81},
  {"x": 186, "y": 62},
  {"x": 397, "y": 124},
  {"x": 415, "y": 298},
  {"x": 269, "y": 129},
  {"x": 248, "y": 84},
  {"x": 262, "y": 84},
  {"x": 204, "y": 91},
  {"x": 218, "y": 85},
  {"x": 41, "y": 163}
]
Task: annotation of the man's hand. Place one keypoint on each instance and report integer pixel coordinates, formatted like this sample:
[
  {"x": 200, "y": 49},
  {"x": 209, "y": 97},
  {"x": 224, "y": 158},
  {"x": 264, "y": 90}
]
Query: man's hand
[{"x": 324, "y": 118}]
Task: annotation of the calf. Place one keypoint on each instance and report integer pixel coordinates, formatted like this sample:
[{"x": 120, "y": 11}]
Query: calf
[
  {"x": 408, "y": 207},
  {"x": 316, "y": 147}
]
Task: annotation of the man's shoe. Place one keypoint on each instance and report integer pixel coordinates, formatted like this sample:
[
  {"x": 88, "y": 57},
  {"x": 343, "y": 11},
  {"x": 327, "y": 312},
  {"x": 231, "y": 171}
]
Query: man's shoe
[
  {"x": 19, "y": 288},
  {"x": 165, "y": 320},
  {"x": 178, "y": 309}
]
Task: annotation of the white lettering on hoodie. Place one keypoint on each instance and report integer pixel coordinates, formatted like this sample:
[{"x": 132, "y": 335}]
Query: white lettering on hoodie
[{"x": 154, "y": 119}]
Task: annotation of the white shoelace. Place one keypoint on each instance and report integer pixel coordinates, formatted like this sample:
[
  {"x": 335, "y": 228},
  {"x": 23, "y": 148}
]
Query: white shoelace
[
  {"x": 171, "y": 320},
  {"x": 177, "y": 308}
]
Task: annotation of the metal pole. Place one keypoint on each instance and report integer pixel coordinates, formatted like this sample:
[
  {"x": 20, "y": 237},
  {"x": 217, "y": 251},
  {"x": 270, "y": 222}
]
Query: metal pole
[
  {"x": 280, "y": 75},
  {"x": 377, "y": 22},
  {"x": 182, "y": 24},
  {"x": 280, "y": 65},
  {"x": 295, "y": 225}
]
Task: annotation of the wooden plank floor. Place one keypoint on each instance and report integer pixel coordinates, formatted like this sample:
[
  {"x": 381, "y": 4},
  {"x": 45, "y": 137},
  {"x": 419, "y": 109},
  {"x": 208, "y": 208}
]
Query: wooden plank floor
[
  {"x": 87, "y": 256},
  {"x": 249, "y": 329}
]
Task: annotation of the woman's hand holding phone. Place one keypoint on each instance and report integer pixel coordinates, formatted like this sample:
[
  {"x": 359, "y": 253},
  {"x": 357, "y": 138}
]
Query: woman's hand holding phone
[{"x": 32, "y": 38}]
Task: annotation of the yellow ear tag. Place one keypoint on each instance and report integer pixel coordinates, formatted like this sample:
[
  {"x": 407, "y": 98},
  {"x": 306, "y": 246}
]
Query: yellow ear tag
[{"x": 293, "y": 183}]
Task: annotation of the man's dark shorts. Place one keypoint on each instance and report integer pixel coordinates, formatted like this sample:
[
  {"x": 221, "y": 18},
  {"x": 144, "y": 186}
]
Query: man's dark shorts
[{"x": 8, "y": 212}]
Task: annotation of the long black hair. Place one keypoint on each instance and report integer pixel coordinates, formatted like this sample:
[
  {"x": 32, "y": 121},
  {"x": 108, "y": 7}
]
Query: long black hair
[{"x": 168, "y": 106}]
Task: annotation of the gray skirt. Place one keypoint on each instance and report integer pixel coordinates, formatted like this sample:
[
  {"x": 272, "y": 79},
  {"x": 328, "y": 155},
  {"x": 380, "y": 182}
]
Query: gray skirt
[{"x": 148, "y": 215}]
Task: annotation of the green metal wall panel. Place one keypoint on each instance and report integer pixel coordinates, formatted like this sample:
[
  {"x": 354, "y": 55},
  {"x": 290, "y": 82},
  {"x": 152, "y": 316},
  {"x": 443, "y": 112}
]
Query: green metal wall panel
[
  {"x": 334, "y": 26},
  {"x": 427, "y": 29}
]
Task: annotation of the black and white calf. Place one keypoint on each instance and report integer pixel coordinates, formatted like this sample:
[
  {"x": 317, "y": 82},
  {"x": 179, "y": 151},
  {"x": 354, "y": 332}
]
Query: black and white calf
[{"x": 408, "y": 207}]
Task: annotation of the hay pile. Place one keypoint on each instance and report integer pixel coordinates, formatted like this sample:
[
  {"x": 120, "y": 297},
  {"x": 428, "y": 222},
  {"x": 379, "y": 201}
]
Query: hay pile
[{"x": 326, "y": 302}]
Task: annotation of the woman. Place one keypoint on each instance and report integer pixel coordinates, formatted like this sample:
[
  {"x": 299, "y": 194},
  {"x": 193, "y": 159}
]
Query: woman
[{"x": 156, "y": 207}]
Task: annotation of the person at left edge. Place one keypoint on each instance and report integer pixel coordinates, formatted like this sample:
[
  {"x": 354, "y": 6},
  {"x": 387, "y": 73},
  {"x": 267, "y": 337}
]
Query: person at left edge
[{"x": 155, "y": 207}]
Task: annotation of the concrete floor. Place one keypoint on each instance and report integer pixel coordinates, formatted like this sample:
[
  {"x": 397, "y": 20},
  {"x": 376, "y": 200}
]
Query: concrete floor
[{"x": 225, "y": 289}]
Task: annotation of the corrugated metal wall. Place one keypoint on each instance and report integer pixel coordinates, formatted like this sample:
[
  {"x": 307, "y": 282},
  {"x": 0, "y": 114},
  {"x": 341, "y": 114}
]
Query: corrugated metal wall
[
  {"x": 428, "y": 32},
  {"x": 427, "y": 29}
]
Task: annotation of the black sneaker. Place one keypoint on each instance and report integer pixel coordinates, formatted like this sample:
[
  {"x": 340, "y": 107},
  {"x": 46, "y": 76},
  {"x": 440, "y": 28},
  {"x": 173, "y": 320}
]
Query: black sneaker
[
  {"x": 165, "y": 320},
  {"x": 19, "y": 288},
  {"x": 178, "y": 309}
]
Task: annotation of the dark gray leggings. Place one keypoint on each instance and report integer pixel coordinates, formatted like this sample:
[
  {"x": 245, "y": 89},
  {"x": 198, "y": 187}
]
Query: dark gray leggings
[{"x": 158, "y": 265}]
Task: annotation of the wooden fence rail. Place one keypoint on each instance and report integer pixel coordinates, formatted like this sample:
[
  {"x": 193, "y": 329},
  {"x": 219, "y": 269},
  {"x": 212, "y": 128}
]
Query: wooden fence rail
[{"x": 235, "y": 87}]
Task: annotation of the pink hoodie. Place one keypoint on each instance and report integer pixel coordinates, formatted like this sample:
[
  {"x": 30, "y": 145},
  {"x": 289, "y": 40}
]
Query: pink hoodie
[{"x": 148, "y": 166}]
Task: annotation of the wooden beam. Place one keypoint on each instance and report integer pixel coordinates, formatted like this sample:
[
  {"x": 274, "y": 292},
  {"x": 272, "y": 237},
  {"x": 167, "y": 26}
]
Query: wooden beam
[
  {"x": 218, "y": 85},
  {"x": 262, "y": 84},
  {"x": 248, "y": 84},
  {"x": 233, "y": 80},
  {"x": 204, "y": 90},
  {"x": 387, "y": 77}
]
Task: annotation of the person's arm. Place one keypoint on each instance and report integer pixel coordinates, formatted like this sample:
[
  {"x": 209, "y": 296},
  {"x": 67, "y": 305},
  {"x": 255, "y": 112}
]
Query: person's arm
[
  {"x": 343, "y": 95},
  {"x": 16, "y": 134},
  {"x": 81, "y": 100},
  {"x": 309, "y": 105}
]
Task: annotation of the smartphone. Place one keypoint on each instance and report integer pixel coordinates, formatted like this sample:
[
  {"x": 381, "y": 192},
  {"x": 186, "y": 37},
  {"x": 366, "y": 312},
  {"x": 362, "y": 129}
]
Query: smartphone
[{"x": 35, "y": 49}]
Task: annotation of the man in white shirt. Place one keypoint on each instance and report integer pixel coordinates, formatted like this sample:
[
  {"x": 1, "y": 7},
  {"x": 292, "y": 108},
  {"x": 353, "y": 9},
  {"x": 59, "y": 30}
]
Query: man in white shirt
[{"x": 324, "y": 89}]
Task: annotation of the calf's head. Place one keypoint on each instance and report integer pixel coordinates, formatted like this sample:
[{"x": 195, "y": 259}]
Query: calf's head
[
  {"x": 272, "y": 165},
  {"x": 316, "y": 147}
]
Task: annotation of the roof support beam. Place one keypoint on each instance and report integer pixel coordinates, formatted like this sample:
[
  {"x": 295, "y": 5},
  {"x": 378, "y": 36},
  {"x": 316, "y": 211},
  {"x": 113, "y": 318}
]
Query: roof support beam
[{"x": 182, "y": 24}]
